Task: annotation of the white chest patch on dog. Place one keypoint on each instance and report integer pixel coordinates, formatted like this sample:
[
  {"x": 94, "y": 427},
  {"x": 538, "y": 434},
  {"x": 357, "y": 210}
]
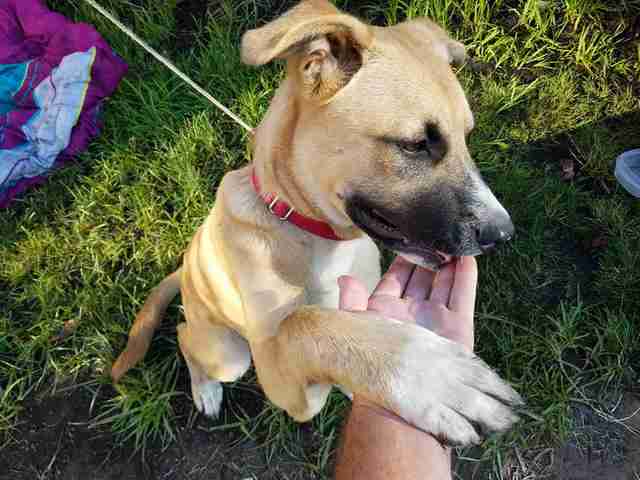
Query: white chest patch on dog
[{"x": 329, "y": 260}]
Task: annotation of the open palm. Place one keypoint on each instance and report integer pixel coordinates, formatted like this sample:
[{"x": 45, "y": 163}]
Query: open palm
[{"x": 443, "y": 302}]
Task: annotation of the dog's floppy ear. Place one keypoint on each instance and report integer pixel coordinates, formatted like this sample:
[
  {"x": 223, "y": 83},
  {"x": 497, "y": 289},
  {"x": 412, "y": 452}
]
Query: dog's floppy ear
[
  {"x": 424, "y": 31},
  {"x": 325, "y": 43}
]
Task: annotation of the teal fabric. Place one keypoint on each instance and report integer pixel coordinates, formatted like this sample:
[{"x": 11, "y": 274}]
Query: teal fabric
[{"x": 12, "y": 77}]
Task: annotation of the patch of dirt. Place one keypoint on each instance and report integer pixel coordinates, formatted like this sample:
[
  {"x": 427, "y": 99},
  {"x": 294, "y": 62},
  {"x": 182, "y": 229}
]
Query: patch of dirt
[
  {"x": 576, "y": 465},
  {"x": 596, "y": 447},
  {"x": 53, "y": 441},
  {"x": 605, "y": 445},
  {"x": 631, "y": 413}
]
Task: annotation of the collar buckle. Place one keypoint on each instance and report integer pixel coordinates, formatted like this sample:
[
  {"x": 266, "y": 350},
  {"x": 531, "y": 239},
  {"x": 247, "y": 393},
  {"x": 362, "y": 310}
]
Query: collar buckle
[{"x": 273, "y": 203}]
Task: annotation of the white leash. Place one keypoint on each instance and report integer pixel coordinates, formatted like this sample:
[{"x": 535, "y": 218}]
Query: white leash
[{"x": 167, "y": 63}]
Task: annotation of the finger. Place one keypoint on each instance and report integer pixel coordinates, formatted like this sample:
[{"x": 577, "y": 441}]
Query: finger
[
  {"x": 394, "y": 282},
  {"x": 353, "y": 294},
  {"x": 441, "y": 289},
  {"x": 419, "y": 285},
  {"x": 463, "y": 292}
]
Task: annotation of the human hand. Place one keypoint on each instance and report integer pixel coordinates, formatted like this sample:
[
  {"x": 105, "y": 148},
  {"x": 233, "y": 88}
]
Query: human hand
[{"x": 443, "y": 302}]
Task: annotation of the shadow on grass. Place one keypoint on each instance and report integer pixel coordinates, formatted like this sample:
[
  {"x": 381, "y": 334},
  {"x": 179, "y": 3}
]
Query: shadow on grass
[{"x": 580, "y": 252}]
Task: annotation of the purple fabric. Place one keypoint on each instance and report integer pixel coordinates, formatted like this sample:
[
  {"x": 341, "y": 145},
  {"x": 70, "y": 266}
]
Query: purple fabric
[{"x": 29, "y": 32}]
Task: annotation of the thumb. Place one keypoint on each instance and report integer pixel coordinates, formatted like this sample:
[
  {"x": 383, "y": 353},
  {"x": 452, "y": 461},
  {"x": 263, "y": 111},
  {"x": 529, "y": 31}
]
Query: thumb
[{"x": 353, "y": 294}]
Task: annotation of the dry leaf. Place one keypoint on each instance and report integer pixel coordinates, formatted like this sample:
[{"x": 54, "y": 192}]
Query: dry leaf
[
  {"x": 568, "y": 169},
  {"x": 67, "y": 329}
]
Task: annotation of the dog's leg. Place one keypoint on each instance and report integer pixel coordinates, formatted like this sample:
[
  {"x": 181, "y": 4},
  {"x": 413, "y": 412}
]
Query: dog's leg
[
  {"x": 433, "y": 383},
  {"x": 366, "y": 268},
  {"x": 359, "y": 258},
  {"x": 214, "y": 354}
]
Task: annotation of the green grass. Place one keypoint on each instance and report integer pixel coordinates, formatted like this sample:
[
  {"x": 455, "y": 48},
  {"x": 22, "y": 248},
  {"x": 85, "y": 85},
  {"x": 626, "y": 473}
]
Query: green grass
[{"x": 558, "y": 310}]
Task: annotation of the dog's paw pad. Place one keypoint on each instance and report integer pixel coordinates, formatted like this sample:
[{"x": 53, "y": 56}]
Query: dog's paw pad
[{"x": 208, "y": 396}]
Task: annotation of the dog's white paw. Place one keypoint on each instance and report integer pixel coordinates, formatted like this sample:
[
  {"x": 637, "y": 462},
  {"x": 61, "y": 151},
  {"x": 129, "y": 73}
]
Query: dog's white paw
[
  {"x": 452, "y": 393},
  {"x": 207, "y": 396}
]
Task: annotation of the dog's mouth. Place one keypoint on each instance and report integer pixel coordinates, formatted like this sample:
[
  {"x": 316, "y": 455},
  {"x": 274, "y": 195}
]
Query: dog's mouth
[{"x": 381, "y": 227}]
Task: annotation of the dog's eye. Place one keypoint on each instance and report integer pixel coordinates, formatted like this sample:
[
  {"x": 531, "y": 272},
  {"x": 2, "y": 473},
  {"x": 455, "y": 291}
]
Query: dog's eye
[
  {"x": 432, "y": 143},
  {"x": 414, "y": 148}
]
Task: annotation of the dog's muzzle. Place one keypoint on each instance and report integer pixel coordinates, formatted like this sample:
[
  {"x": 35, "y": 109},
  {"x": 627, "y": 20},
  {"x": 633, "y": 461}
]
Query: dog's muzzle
[
  {"x": 436, "y": 244},
  {"x": 498, "y": 229}
]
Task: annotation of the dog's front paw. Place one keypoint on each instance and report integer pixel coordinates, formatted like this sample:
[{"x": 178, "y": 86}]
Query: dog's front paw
[
  {"x": 452, "y": 394},
  {"x": 207, "y": 396}
]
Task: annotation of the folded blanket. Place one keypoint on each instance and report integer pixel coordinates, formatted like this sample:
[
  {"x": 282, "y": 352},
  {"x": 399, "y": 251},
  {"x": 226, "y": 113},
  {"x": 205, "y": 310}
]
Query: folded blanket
[{"x": 54, "y": 77}]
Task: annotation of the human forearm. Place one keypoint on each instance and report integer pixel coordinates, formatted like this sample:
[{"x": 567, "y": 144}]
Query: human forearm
[{"x": 379, "y": 445}]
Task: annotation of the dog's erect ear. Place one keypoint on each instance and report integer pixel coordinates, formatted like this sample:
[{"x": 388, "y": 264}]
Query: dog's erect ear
[
  {"x": 308, "y": 21},
  {"x": 325, "y": 43},
  {"x": 423, "y": 31}
]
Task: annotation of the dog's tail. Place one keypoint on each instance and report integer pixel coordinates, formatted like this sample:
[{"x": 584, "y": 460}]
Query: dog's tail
[{"x": 146, "y": 322}]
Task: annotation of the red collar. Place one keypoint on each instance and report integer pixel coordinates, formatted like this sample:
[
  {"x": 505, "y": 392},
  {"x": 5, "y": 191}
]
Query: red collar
[{"x": 285, "y": 212}]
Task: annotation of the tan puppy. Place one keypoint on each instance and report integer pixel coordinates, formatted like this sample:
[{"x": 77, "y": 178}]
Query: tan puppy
[{"x": 366, "y": 133}]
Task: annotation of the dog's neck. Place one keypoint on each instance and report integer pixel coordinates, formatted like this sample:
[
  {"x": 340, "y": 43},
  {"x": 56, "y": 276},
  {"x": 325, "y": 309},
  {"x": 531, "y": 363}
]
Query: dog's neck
[{"x": 272, "y": 141}]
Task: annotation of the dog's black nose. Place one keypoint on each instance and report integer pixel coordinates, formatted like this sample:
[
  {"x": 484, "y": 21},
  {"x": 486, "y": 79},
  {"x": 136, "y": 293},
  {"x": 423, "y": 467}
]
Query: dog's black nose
[{"x": 497, "y": 230}]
